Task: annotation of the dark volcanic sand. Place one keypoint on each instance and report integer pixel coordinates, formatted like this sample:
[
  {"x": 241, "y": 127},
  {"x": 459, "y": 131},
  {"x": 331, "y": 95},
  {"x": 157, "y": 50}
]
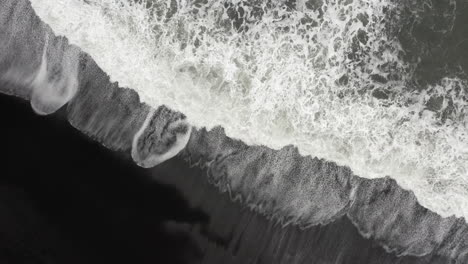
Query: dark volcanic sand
[{"x": 66, "y": 199}]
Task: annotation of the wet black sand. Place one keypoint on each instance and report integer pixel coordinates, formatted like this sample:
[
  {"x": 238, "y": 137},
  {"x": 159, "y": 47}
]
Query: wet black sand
[{"x": 66, "y": 199}]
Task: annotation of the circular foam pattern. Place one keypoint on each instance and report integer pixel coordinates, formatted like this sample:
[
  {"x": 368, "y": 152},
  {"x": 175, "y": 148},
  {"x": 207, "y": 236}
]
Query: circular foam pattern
[{"x": 163, "y": 134}]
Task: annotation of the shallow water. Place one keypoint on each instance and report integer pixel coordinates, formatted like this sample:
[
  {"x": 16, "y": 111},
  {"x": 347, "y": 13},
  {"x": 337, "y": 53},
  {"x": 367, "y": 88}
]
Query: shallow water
[{"x": 329, "y": 77}]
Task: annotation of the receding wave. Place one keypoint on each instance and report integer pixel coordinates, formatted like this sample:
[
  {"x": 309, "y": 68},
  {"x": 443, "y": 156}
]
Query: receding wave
[{"x": 324, "y": 76}]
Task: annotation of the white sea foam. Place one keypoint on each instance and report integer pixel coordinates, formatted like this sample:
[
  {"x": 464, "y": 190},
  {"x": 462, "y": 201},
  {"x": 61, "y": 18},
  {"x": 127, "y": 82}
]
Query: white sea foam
[
  {"x": 51, "y": 90},
  {"x": 154, "y": 159},
  {"x": 281, "y": 82}
]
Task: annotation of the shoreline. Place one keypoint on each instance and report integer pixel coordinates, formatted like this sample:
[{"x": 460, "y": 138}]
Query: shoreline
[
  {"x": 378, "y": 208},
  {"x": 221, "y": 230}
]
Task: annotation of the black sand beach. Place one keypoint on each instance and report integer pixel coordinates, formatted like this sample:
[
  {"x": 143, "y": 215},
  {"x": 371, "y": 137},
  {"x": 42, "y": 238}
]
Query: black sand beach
[{"x": 66, "y": 199}]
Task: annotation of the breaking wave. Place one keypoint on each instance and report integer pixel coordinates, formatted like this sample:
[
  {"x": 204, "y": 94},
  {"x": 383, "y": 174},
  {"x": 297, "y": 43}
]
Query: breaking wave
[{"x": 325, "y": 76}]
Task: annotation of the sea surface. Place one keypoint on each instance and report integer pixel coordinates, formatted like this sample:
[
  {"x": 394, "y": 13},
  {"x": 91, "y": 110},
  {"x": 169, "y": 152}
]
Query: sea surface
[{"x": 378, "y": 86}]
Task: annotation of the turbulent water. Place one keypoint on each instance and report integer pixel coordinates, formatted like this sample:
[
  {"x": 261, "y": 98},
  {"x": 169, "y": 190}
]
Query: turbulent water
[{"x": 329, "y": 77}]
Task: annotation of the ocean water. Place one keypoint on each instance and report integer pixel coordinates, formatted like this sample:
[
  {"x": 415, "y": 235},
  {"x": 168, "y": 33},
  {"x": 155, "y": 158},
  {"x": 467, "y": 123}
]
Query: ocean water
[{"x": 328, "y": 76}]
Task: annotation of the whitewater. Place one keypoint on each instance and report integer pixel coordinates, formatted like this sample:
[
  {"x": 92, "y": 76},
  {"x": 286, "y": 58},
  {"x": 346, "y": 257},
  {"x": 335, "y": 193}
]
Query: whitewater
[{"x": 325, "y": 78}]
